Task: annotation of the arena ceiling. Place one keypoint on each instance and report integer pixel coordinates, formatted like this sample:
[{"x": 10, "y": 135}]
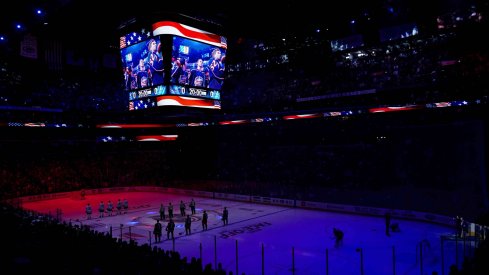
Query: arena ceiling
[{"x": 237, "y": 18}]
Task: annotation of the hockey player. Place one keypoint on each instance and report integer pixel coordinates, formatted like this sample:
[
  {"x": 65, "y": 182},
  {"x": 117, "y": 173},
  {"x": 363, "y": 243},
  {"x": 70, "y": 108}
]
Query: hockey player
[
  {"x": 170, "y": 211},
  {"x": 157, "y": 231},
  {"x": 88, "y": 211},
  {"x": 204, "y": 220},
  {"x": 162, "y": 212},
  {"x": 110, "y": 208},
  {"x": 182, "y": 209},
  {"x": 225, "y": 216},
  {"x": 338, "y": 236},
  {"x": 119, "y": 207},
  {"x": 192, "y": 206},
  {"x": 188, "y": 223},
  {"x": 101, "y": 209},
  {"x": 170, "y": 227},
  {"x": 125, "y": 204}
]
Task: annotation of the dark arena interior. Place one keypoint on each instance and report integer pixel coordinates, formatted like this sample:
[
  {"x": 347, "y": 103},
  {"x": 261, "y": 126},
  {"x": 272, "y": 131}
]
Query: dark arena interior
[{"x": 351, "y": 108}]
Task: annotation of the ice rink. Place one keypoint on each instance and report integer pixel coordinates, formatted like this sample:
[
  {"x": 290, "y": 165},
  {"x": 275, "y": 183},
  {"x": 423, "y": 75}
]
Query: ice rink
[{"x": 269, "y": 239}]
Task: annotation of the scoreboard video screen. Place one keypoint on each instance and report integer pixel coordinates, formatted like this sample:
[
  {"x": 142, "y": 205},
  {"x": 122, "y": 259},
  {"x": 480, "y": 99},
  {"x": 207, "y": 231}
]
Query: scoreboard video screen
[{"x": 173, "y": 65}]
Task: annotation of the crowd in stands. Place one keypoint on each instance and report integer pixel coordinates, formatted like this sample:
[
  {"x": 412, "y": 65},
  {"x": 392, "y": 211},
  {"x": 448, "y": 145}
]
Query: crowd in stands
[
  {"x": 331, "y": 160},
  {"x": 71, "y": 90},
  {"x": 418, "y": 69},
  {"x": 75, "y": 249}
]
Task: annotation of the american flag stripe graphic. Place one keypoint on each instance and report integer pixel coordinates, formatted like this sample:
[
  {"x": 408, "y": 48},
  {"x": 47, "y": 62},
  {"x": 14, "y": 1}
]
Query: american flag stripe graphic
[
  {"x": 169, "y": 27},
  {"x": 187, "y": 102},
  {"x": 394, "y": 109},
  {"x": 230, "y": 122},
  {"x": 302, "y": 116},
  {"x": 130, "y": 126},
  {"x": 157, "y": 138}
]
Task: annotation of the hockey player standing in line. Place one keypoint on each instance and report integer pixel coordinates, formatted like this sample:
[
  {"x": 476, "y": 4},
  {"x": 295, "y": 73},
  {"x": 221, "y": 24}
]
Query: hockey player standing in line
[
  {"x": 225, "y": 216},
  {"x": 188, "y": 223},
  {"x": 125, "y": 204},
  {"x": 192, "y": 206},
  {"x": 110, "y": 207},
  {"x": 101, "y": 209},
  {"x": 204, "y": 220},
  {"x": 182, "y": 209},
  {"x": 157, "y": 231},
  {"x": 162, "y": 212},
  {"x": 119, "y": 207},
  {"x": 170, "y": 227},
  {"x": 88, "y": 211},
  {"x": 170, "y": 211}
]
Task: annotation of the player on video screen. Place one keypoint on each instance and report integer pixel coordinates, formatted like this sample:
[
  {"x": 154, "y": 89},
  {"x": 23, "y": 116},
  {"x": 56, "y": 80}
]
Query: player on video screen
[
  {"x": 142, "y": 74},
  {"x": 216, "y": 70},
  {"x": 155, "y": 62},
  {"x": 129, "y": 79},
  {"x": 178, "y": 74},
  {"x": 197, "y": 75}
]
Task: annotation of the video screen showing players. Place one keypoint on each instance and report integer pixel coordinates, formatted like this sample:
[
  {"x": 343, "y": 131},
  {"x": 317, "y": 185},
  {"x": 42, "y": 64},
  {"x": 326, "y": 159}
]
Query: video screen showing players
[
  {"x": 196, "y": 64},
  {"x": 143, "y": 64}
]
